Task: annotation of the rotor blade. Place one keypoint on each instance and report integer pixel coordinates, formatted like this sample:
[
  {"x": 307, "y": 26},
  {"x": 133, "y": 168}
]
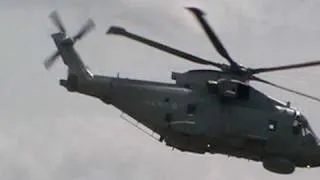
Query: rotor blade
[
  {"x": 285, "y": 67},
  {"x": 211, "y": 34},
  {"x": 57, "y": 21},
  {"x": 49, "y": 62},
  {"x": 286, "y": 89},
  {"x": 121, "y": 31},
  {"x": 87, "y": 27}
]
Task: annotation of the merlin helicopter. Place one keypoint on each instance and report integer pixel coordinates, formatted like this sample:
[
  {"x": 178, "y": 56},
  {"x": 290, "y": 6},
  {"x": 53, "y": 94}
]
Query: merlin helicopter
[{"x": 204, "y": 110}]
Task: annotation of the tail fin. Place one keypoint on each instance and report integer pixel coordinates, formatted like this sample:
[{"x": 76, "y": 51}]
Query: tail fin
[
  {"x": 77, "y": 71},
  {"x": 65, "y": 46},
  {"x": 69, "y": 56}
]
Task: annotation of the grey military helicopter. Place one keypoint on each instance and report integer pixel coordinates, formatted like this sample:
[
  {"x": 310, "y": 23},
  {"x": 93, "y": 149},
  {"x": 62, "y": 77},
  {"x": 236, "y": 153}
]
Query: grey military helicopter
[{"x": 204, "y": 111}]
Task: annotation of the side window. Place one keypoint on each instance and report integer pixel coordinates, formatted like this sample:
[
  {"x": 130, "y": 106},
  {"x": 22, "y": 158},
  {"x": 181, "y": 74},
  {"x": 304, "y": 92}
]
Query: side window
[
  {"x": 191, "y": 109},
  {"x": 272, "y": 126},
  {"x": 296, "y": 128},
  {"x": 212, "y": 88}
]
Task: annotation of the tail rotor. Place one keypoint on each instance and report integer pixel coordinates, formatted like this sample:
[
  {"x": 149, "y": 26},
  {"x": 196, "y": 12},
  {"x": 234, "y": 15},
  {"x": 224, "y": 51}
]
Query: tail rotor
[
  {"x": 55, "y": 17},
  {"x": 51, "y": 60}
]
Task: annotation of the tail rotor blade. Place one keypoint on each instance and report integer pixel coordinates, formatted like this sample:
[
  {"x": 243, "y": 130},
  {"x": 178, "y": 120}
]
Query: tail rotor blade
[
  {"x": 87, "y": 27},
  {"x": 50, "y": 61},
  {"x": 57, "y": 21}
]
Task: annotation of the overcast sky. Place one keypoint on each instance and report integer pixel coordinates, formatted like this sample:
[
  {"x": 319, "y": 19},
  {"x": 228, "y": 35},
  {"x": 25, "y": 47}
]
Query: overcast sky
[{"x": 48, "y": 133}]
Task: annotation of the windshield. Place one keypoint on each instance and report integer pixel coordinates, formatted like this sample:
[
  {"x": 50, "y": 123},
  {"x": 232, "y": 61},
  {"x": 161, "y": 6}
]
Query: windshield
[{"x": 306, "y": 129}]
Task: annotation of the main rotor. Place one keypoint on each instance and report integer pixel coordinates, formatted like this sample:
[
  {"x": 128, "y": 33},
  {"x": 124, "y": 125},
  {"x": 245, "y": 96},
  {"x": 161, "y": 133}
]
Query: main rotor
[{"x": 232, "y": 67}]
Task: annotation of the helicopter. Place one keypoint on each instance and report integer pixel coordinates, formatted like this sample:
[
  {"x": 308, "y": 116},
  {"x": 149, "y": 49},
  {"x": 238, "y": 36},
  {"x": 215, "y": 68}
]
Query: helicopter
[{"x": 204, "y": 110}]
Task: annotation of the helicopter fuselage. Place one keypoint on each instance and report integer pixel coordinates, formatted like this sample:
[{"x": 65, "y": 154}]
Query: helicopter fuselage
[
  {"x": 194, "y": 116},
  {"x": 203, "y": 111}
]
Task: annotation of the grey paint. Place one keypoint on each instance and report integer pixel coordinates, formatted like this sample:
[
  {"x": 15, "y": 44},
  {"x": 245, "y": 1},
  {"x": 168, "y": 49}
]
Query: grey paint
[
  {"x": 226, "y": 116},
  {"x": 44, "y": 137}
]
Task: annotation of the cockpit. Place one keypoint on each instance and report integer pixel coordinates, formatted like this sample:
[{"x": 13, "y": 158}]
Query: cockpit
[{"x": 301, "y": 127}]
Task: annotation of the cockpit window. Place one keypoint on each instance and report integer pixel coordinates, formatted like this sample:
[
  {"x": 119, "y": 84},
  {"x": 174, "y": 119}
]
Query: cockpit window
[
  {"x": 308, "y": 129},
  {"x": 301, "y": 126},
  {"x": 296, "y": 128}
]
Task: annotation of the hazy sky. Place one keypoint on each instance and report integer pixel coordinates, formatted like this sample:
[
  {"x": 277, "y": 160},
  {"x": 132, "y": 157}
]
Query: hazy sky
[{"x": 48, "y": 133}]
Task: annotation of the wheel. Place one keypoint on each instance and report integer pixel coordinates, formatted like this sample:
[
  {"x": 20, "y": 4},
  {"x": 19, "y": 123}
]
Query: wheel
[{"x": 279, "y": 165}]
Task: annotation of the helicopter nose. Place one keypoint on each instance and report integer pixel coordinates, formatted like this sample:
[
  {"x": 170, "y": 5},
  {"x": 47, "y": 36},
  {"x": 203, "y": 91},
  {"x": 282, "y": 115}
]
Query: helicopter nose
[
  {"x": 317, "y": 158},
  {"x": 314, "y": 159}
]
